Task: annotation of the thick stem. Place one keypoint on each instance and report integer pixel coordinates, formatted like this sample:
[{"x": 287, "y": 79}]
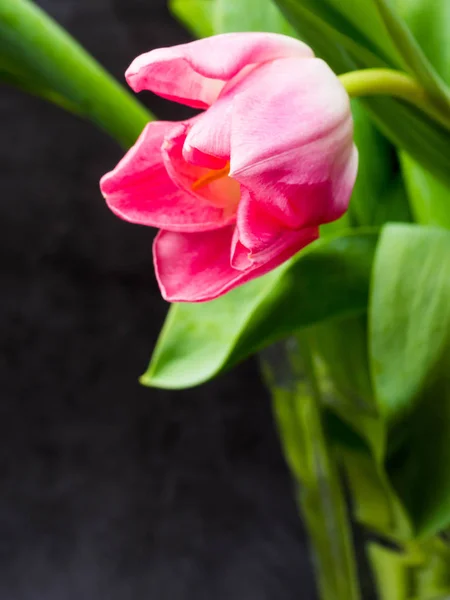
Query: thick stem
[
  {"x": 290, "y": 374},
  {"x": 388, "y": 82},
  {"x": 42, "y": 58}
]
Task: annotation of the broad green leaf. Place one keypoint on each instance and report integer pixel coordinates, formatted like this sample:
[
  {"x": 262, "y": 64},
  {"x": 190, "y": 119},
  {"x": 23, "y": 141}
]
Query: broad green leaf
[
  {"x": 208, "y": 17},
  {"x": 409, "y": 314},
  {"x": 250, "y": 15},
  {"x": 196, "y": 15},
  {"x": 327, "y": 280},
  {"x": 40, "y": 57},
  {"x": 410, "y": 358}
]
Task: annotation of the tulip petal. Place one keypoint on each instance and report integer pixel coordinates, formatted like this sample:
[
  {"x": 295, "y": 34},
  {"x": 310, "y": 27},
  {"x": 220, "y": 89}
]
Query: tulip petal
[
  {"x": 258, "y": 229},
  {"x": 292, "y": 149},
  {"x": 280, "y": 205},
  {"x": 272, "y": 239},
  {"x": 222, "y": 192},
  {"x": 196, "y": 267},
  {"x": 195, "y": 73},
  {"x": 140, "y": 190},
  {"x": 211, "y": 132}
]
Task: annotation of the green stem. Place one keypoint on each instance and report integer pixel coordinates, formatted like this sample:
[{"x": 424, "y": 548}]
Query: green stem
[
  {"x": 39, "y": 56},
  {"x": 388, "y": 82},
  {"x": 297, "y": 408}
]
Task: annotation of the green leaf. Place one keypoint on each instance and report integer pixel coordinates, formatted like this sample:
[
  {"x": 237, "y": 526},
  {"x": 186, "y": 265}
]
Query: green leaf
[
  {"x": 365, "y": 17},
  {"x": 41, "y": 58},
  {"x": 410, "y": 358},
  {"x": 378, "y": 195},
  {"x": 326, "y": 280},
  {"x": 249, "y": 15},
  {"x": 407, "y": 128},
  {"x": 332, "y": 37},
  {"x": 195, "y": 15},
  {"x": 428, "y": 22},
  {"x": 412, "y": 54},
  {"x": 375, "y": 168},
  {"x": 409, "y": 314},
  {"x": 429, "y": 196},
  {"x": 208, "y": 17}
]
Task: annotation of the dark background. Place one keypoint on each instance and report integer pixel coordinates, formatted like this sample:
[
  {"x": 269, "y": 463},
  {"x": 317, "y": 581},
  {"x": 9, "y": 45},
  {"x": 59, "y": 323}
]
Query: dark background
[{"x": 110, "y": 490}]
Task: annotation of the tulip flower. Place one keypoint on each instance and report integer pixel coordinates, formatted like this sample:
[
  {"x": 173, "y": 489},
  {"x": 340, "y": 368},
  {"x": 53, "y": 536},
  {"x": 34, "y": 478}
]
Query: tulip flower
[{"x": 244, "y": 185}]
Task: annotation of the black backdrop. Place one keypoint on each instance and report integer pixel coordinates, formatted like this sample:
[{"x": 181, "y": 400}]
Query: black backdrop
[{"x": 110, "y": 490}]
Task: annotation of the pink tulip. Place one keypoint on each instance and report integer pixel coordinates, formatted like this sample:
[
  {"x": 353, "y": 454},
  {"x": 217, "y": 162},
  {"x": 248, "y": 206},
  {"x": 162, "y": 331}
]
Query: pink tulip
[{"x": 243, "y": 186}]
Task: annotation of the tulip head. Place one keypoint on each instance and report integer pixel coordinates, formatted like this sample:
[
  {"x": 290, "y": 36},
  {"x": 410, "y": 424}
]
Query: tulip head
[{"x": 244, "y": 185}]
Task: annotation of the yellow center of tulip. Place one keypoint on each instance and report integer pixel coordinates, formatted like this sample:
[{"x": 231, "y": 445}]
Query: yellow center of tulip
[{"x": 211, "y": 176}]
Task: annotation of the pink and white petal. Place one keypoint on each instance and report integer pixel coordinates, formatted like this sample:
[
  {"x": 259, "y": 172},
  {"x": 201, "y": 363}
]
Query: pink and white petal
[
  {"x": 194, "y": 156},
  {"x": 292, "y": 150},
  {"x": 274, "y": 240},
  {"x": 258, "y": 228},
  {"x": 307, "y": 102},
  {"x": 196, "y": 267},
  {"x": 143, "y": 155},
  {"x": 193, "y": 267},
  {"x": 140, "y": 190},
  {"x": 279, "y": 200},
  {"x": 211, "y": 132},
  {"x": 195, "y": 73}
]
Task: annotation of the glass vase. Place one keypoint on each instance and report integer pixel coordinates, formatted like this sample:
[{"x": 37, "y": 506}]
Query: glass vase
[{"x": 351, "y": 561}]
